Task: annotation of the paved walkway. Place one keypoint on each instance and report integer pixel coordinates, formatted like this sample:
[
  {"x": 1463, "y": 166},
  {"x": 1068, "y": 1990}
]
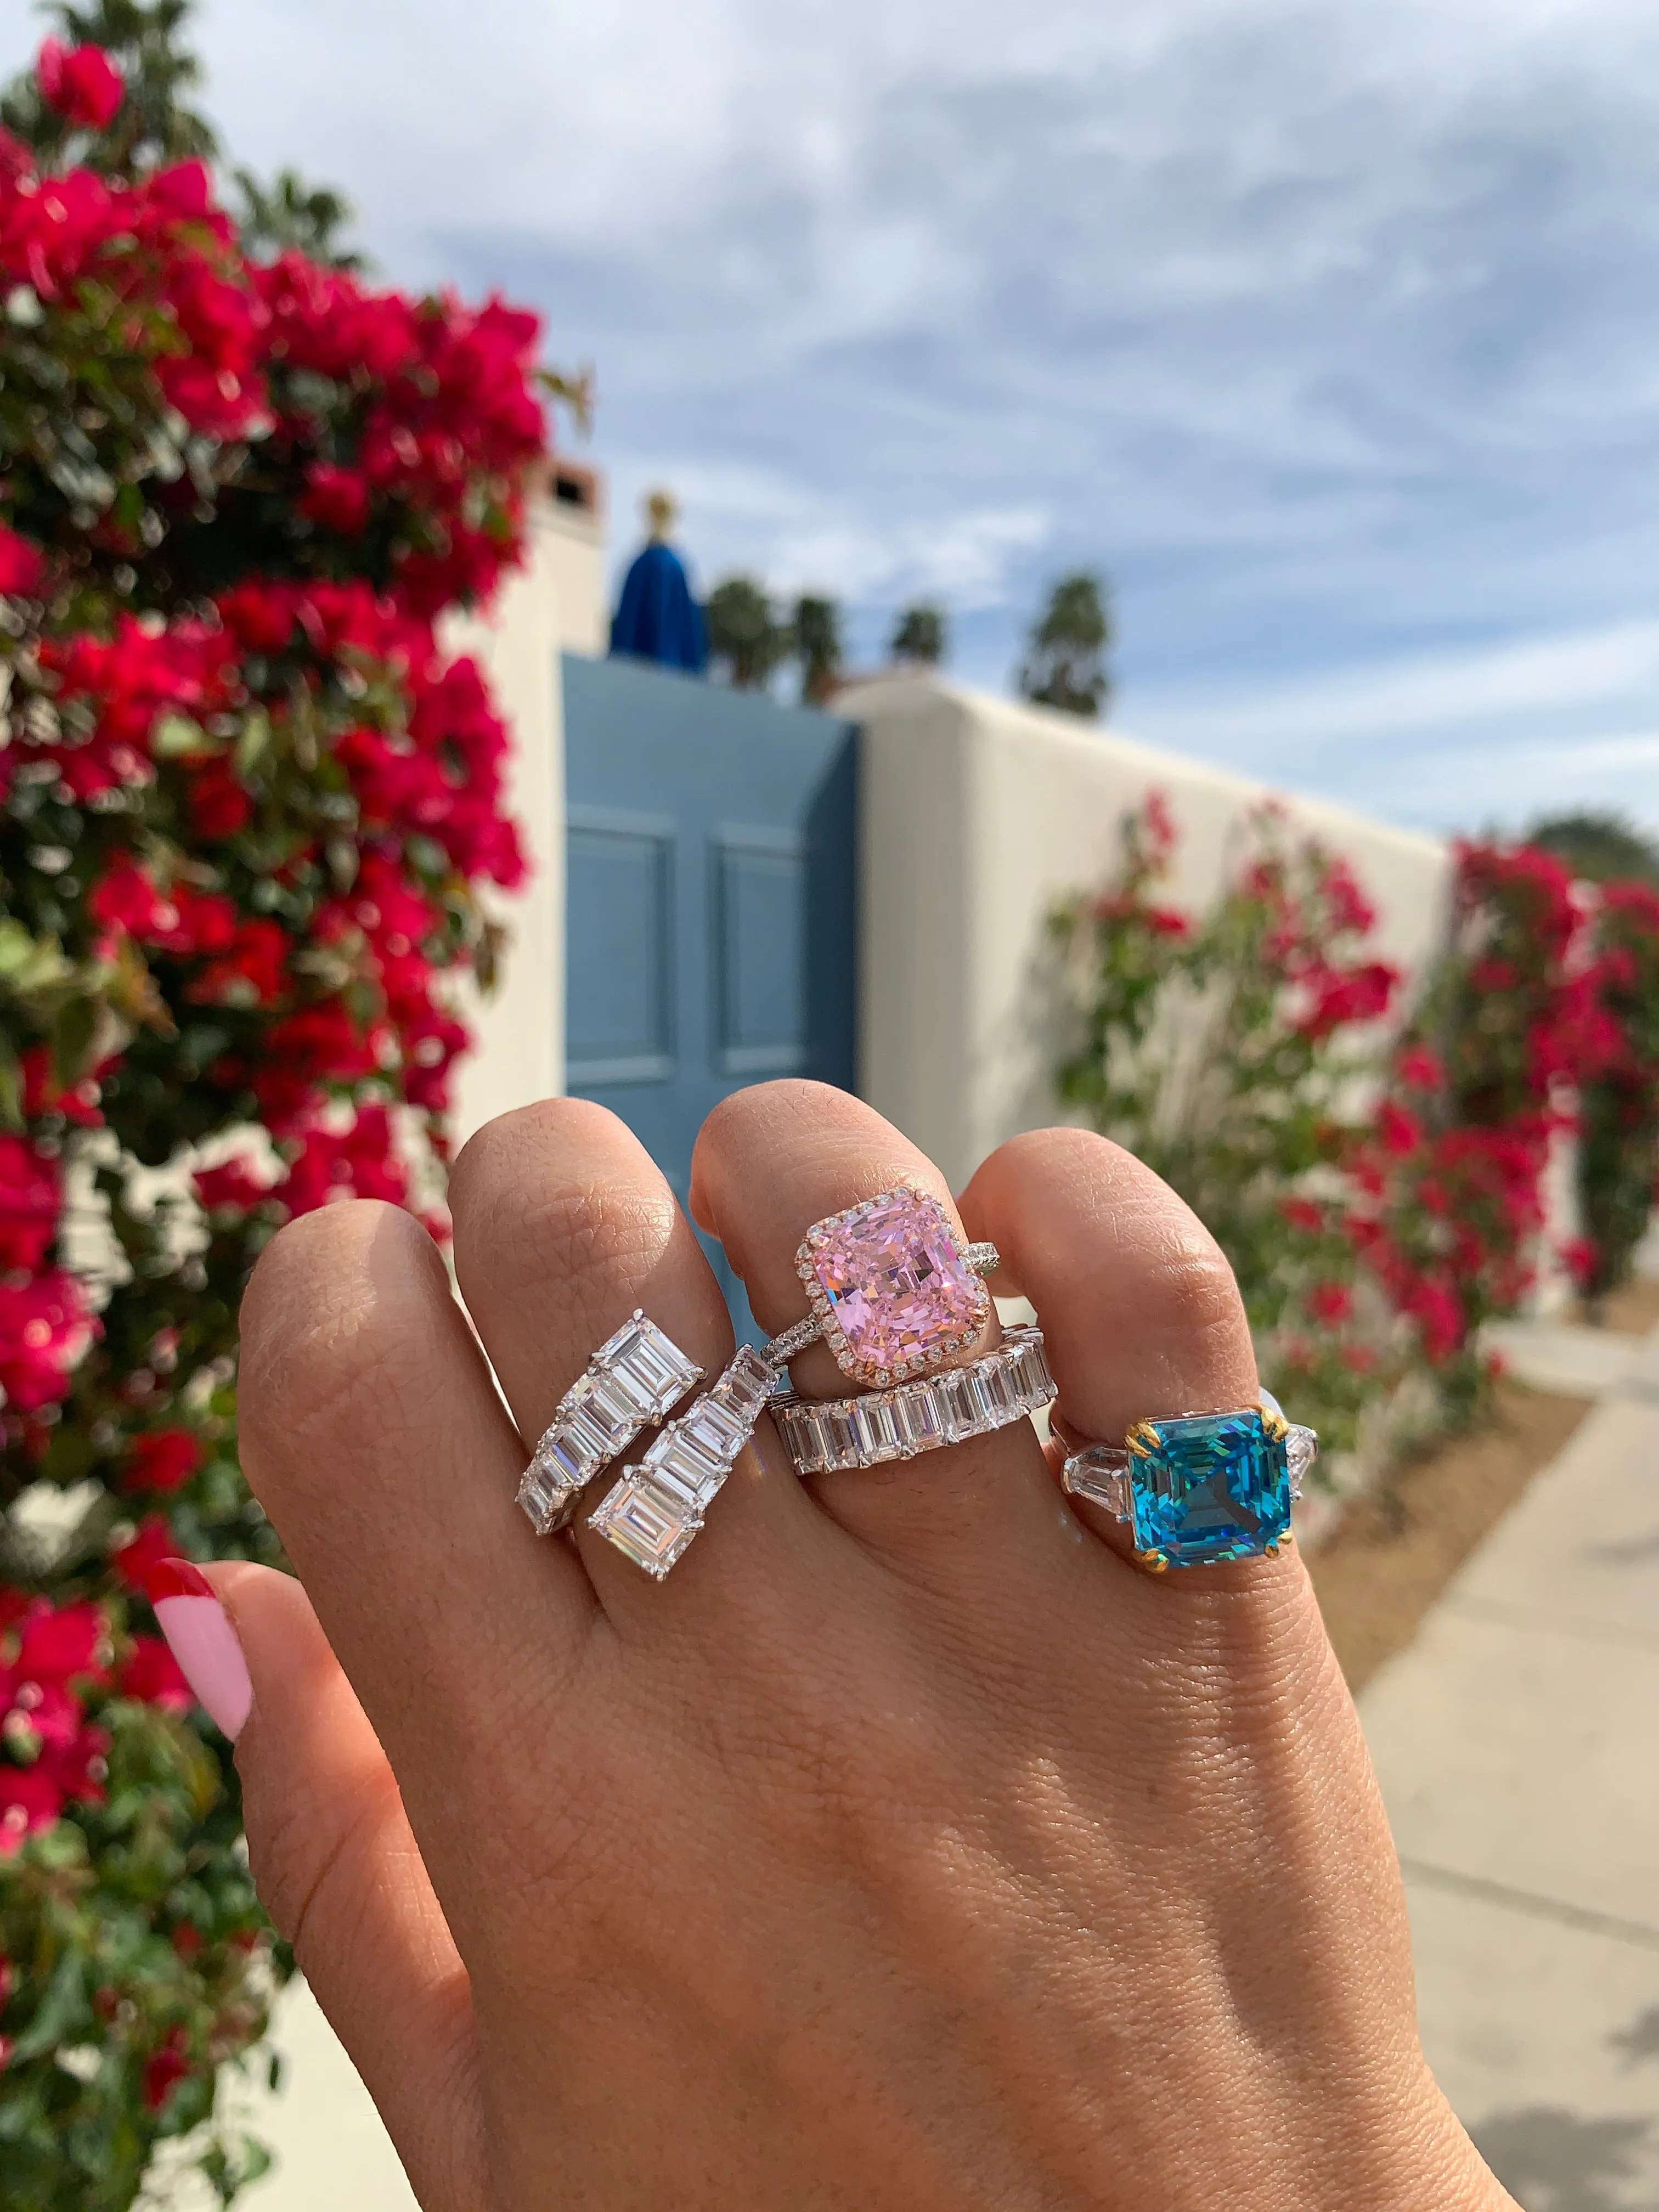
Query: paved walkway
[{"x": 1517, "y": 1741}]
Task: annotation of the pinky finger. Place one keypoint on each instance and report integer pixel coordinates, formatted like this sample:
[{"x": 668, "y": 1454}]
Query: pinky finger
[{"x": 340, "y": 1872}]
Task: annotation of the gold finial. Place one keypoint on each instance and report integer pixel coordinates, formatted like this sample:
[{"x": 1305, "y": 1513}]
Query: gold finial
[{"x": 662, "y": 513}]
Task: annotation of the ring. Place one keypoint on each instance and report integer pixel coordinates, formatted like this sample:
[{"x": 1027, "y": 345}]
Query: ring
[
  {"x": 893, "y": 1290},
  {"x": 1199, "y": 1488},
  {"x": 634, "y": 1377},
  {"x": 654, "y": 1509},
  {"x": 1004, "y": 1387}
]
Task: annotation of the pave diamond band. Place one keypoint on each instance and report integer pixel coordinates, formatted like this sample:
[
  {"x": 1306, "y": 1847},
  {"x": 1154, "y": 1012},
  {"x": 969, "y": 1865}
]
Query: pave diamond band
[
  {"x": 893, "y": 1290},
  {"x": 636, "y": 1376},
  {"x": 653, "y": 1510},
  {"x": 1196, "y": 1489},
  {"x": 1005, "y": 1386}
]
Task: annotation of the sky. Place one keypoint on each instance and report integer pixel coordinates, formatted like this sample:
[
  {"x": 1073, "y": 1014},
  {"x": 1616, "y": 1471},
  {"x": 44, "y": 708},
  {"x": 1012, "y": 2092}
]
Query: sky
[{"x": 1326, "y": 330}]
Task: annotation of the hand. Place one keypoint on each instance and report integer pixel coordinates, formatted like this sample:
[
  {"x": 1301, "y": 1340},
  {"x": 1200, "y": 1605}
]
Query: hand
[{"x": 905, "y": 1849}]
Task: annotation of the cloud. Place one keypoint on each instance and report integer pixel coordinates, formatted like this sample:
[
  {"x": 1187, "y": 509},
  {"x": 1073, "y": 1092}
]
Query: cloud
[
  {"x": 1581, "y": 672},
  {"x": 1326, "y": 330}
]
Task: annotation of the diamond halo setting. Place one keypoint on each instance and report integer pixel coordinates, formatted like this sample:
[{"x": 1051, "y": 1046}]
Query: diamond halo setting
[{"x": 894, "y": 1292}]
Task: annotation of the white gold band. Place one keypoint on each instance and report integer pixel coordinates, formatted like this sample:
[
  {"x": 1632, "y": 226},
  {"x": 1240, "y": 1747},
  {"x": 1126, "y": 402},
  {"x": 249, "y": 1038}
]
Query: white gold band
[{"x": 1005, "y": 1386}]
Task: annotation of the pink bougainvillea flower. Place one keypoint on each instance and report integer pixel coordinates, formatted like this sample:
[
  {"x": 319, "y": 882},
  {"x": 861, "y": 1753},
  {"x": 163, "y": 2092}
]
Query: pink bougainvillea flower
[
  {"x": 82, "y": 83},
  {"x": 44, "y": 1328},
  {"x": 135, "y": 1559},
  {"x": 162, "y": 1460},
  {"x": 30, "y": 1202},
  {"x": 151, "y": 1673},
  {"x": 20, "y": 566}
]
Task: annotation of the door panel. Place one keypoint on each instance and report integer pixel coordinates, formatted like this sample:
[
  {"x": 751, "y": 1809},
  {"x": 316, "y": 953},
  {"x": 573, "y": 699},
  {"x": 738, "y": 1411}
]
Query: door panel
[{"x": 712, "y": 900}]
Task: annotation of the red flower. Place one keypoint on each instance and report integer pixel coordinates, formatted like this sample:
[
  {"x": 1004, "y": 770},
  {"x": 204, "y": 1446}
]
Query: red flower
[
  {"x": 150, "y": 1672},
  {"x": 164, "y": 2069},
  {"x": 162, "y": 1459},
  {"x": 44, "y": 1328},
  {"x": 336, "y": 499},
  {"x": 219, "y": 805},
  {"x": 1302, "y": 1213},
  {"x": 232, "y": 1185},
  {"x": 1331, "y": 1303},
  {"x": 20, "y": 565},
  {"x": 250, "y": 972},
  {"x": 1400, "y": 1130},
  {"x": 82, "y": 84},
  {"x": 29, "y": 1205},
  {"x": 29, "y": 1800},
  {"x": 1419, "y": 1070},
  {"x": 58, "y": 1641},
  {"x": 154, "y": 1542}
]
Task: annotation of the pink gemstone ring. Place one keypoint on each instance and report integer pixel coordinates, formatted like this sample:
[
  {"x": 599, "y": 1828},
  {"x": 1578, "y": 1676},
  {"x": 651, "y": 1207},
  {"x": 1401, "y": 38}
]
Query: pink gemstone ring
[{"x": 894, "y": 1291}]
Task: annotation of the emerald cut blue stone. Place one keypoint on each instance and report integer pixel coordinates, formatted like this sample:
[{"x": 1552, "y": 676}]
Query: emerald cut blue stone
[{"x": 1213, "y": 1486}]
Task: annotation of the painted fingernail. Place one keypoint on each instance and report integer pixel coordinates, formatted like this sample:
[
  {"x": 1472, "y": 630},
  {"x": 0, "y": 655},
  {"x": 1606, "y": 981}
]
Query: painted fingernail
[{"x": 201, "y": 1639}]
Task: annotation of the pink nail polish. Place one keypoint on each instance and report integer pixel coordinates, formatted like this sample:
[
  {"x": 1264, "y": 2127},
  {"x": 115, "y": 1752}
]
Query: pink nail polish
[{"x": 201, "y": 1639}]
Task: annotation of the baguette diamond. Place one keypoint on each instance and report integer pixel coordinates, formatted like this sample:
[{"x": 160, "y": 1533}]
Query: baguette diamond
[
  {"x": 1004, "y": 1387},
  {"x": 636, "y": 1376},
  {"x": 655, "y": 1510}
]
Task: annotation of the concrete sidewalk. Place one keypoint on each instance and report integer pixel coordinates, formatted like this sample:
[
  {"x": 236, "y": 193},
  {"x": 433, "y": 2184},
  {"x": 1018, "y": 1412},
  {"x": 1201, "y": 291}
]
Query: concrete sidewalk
[{"x": 1517, "y": 1744}]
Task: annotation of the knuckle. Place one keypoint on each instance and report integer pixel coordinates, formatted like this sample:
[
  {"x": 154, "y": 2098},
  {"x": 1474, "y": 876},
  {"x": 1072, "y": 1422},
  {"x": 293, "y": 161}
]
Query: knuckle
[{"x": 336, "y": 1325}]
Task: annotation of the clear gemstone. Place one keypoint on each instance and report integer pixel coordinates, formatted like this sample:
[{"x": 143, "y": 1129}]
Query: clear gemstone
[
  {"x": 1100, "y": 1472},
  {"x": 646, "y": 1521},
  {"x": 615, "y": 1405},
  {"x": 809, "y": 1439},
  {"x": 717, "y": 1430},
  {"x": 562, "y": 1464},
  {"x": 1032, "y": 1381},
  {"x": 920, "y": 1423},
  {"x": 543, "y": 1499},
  {"x": 896, "y": 1282},
  {"x": 966, "y": 1409},
  {"x": 876, "y": 1429},
  {"x": 1301, "y": 1451},
  {"x": 587, "y": 1436},
  {"x": 997, "y": 1382},
  {"x": 678, "y": 1457},
  {"x": 747, "y": 1382},
  {"x": 843, "y": 1437}
]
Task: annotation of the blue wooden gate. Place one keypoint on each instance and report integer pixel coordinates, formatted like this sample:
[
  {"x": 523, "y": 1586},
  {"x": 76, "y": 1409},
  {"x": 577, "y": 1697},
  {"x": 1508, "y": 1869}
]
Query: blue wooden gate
[{"x": 711, "y": 897}]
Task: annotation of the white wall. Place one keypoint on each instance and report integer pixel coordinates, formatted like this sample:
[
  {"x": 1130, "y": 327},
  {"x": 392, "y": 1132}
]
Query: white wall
[
  {"x": 556, "y": 602},
  {"x": 976, "y": 815}
]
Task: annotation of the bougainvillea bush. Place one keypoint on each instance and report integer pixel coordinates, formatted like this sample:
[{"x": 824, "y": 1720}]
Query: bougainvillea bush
[
  {"x": 247, "y": 809},
  {"x": 1373, "y": 1171}
]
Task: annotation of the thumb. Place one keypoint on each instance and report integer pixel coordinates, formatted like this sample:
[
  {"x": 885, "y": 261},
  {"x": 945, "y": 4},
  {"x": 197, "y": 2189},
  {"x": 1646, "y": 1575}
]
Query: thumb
[{"x": 337, "y": 1865}]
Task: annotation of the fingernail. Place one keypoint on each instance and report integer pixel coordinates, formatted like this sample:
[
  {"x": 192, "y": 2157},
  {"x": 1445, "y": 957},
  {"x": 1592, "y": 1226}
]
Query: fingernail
[{"x": 201, "y": 1639}]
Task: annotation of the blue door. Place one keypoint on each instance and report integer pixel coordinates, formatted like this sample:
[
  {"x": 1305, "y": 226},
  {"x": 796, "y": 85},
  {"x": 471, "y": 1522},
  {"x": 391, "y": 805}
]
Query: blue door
[{"x": 712, "y": 899}]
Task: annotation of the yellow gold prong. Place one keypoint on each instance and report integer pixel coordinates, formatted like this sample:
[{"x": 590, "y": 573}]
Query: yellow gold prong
[
  {"x": 1153, "y": 1562},
  {"x": 1143, "y": 1440},
  {"x": 1275, "y": 1425}
]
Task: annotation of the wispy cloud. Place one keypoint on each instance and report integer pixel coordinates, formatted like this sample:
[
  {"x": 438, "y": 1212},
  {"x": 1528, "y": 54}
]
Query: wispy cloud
[{"x": 1327, "y": 330}]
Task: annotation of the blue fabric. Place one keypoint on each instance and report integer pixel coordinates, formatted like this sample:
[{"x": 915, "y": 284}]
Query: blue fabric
[{"x": 657, "y": 618}]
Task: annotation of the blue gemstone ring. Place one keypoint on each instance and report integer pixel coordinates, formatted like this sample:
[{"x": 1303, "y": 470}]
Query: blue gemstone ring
[{"x": 1199, "y": 1488}]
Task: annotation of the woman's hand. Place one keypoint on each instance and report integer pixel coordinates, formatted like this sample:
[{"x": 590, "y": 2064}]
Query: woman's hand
[{"x": 907, "y": 1848}]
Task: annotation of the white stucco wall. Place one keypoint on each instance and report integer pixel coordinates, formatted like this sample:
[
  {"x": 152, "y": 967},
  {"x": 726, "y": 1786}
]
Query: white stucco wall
[
  {"x": 556, "y": 602},
  {"x": 976, "y": 815}
]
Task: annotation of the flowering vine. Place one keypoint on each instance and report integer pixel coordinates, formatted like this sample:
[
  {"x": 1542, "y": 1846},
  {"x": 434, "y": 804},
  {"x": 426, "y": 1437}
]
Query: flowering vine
[
  {"x": 247, "y": 807},
  {"x": 1376, "y": 1175}
]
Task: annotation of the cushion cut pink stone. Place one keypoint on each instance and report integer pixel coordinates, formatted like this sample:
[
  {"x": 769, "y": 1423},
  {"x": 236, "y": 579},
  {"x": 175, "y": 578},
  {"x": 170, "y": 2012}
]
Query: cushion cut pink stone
[{"x": 897, "y": 1286}]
